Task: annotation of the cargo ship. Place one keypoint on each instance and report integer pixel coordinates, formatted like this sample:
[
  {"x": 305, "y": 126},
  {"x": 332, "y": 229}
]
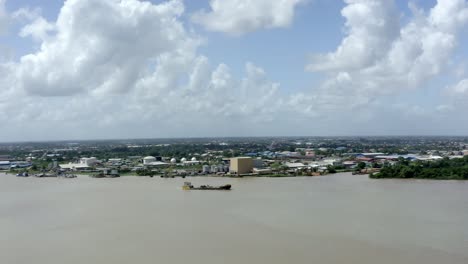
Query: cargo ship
[{"x": 188, "y": 186}]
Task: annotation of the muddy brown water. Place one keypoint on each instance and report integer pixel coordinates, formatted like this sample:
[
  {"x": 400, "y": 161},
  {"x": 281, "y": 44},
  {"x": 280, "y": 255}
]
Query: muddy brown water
[{"x": 332, "y": 219}]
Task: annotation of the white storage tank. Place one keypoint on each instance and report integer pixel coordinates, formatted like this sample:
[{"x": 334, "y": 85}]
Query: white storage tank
[
  {"x": 149, "y": 160},
  {"x": 214, "y": 169}
]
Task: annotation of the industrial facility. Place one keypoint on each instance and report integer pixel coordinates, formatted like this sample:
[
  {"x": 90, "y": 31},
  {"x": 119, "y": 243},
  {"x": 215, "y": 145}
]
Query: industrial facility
[{"x": 241, "y": 165}]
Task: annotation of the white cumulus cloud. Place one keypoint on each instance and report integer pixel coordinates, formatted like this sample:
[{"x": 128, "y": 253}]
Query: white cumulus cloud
[
  {"x": 378, "y": 57},
  {"x": 135, "y": 71},
  {"x": 461, "y": 88},
  {"x": 372, "y": 26},
  {"x": 92, "y": 52},
  {"x": 38, "y": 27},
  {"x": 238, "y": 17}
]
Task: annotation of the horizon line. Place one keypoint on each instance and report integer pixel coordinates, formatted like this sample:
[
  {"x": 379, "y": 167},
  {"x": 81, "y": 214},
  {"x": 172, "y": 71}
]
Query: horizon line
[{"x": 221, "y": 137}]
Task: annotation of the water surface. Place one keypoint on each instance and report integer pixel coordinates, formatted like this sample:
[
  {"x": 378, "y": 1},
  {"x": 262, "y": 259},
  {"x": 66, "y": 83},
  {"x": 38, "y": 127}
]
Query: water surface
[{"x": 332, "y": 219}]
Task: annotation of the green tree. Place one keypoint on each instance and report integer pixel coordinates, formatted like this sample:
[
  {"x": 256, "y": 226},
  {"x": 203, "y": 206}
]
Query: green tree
[{"x": 361, "y": 165}]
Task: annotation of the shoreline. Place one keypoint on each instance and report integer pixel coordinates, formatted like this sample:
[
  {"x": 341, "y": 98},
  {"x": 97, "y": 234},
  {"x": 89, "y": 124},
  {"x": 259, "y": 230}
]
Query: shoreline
[
  {"x": 184, "y": 177},
  {"x": 346, "y": 174}
]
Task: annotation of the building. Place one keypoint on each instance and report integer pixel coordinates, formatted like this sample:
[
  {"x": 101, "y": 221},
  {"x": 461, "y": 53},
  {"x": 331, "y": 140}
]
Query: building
[
  {"x": 370, "y": 154},
  {"x": 156, "y": 164},
  {"x": 295, "y": 165},
  {"x": 258, "y": 163},
  {"x": 84, "y": 164},
  {"x": 6, "y": 158},
  {"x": 5, "y": 165},
  {"x": 191, "y": 162},
  {"x": 349, "y": 164},
  {"x": 223, "y": 168},
  {"x": 429, "y": 158},
  {"x": 89, "y": 161},
  {"x": 115, "y": 162},
  {"x": 21, "y": 164},
  {"x": 214, "y": 169},
  {"x": 148, "y": 160},
  {"x": 74, "y": 166},
  {"x": 151, "y": 161},
  {"x": 241, "y": 165},
  {"x": 262, "y": 171}
]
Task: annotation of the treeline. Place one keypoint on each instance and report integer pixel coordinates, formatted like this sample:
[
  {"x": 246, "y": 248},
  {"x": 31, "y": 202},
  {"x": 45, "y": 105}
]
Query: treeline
[
  {"x": 174, "y": 150},
  {"x": 445, "y": 169}
]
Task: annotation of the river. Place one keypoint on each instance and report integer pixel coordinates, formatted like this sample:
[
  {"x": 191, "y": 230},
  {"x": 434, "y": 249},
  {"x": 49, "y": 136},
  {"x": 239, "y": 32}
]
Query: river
[{"x": 332, "y": 219}]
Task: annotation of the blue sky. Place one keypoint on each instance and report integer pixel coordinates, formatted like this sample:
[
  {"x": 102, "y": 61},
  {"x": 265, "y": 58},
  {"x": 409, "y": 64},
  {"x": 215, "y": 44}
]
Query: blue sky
[{"x": 305, "y": 68}]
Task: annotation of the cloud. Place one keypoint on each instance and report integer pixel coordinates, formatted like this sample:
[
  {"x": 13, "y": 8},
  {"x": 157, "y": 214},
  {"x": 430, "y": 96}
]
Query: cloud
[
  {"x": 37, "y": 27},
  {"x": 84, "y": 51},
  {"x": 211, "y": 102},
  {"x": 237, "y": 17},
  {"x": 134, "y": 69},
  {"x": 220, "y": 94},
  {"x": 372, "y": 26},
  {"x": 461, "y": 88},
  {"x": 214, "y": 93},
  {"x": 376, "y": 59},
  {"x": 27, "y": 13}
]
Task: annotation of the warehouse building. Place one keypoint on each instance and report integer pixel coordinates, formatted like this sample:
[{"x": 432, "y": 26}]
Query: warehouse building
[{"x": 241, "y": 165}]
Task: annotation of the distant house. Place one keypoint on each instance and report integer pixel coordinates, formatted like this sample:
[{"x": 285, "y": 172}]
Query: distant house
[
  {"x": 396, "y": 157},
  {"x": 349, "y": 164},
  {"x": 262, "y": 171},
  {"x": 115, "y": 162},
  {"x": 364, "y": 159},
  {"x": 369, "y": 155},
  {"x": 429, "y": 158},
  {"x": 295, "y": 165},
  {"x": 156, "y": 164}
]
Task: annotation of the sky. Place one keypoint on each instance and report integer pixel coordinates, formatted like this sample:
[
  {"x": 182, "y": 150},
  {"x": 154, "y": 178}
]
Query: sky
[{"x": 88, "y": 69}]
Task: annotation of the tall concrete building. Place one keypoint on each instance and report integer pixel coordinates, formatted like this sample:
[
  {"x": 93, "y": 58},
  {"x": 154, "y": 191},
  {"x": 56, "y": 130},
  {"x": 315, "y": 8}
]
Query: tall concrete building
[{"x": 241, "y": 165}]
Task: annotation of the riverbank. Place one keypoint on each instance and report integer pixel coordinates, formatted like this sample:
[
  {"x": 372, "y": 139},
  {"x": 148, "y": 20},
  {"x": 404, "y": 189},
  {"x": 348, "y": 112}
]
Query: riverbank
[
  {"x": 190, "y": 176},
  {"x": 444, "y": 169}
]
